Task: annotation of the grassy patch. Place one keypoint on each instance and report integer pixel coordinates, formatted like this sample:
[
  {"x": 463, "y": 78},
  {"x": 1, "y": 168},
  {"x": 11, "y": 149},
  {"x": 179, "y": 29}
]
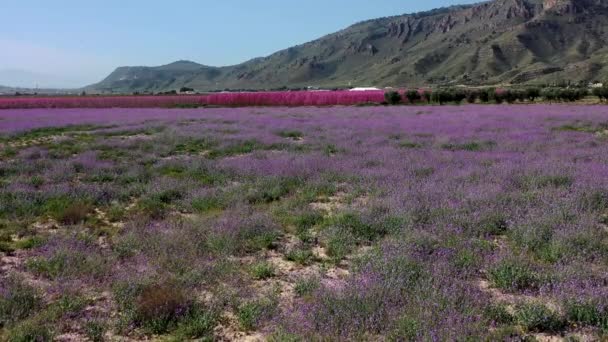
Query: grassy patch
[
  {"x": 262, "y": 270},
  {"x": 471, "y": 146},
  {"x": 272, "y": 189},
  {"x": 300, "y": 256},
  {"x": 240, "y": 148},
  {"x": 52, "y": 131},
  {"x": 409, "y": 144},
  {"x": 292, "y": 134},
  {"x": 251, "y": 314},
  {"x": 514, "y": 275},
  {"x": 306, "y": 286},
  {"x": 536, "y": 317},
  {"x": 18, "y": 301},
  {"x": 193, "y": 146}
]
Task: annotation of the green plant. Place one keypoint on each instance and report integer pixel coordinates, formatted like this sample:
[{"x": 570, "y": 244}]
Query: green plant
[
  {"x": 197, "y": 324},
  {"x": 290, "y": 134},
  {"x": 159, "y": 307},
  {"x": 392, "y": 97},
  {"x": 251, "y": 313},
  {"x": 300, "y": 256},
  {"x": 20, "y": 301},
  {"x": 498, "y": 314},
  {"x": 262, "y": 270},
  {"x": 306, "y": 286},
  {"x": 589, "y": 314},
  {"x": 95, "y": 330},
  {"x": 31, "y": 330},
  {"x": 513, "y": 275},
  {"x": 537, "y": 317},
  {"x": 412, "y": 96}
]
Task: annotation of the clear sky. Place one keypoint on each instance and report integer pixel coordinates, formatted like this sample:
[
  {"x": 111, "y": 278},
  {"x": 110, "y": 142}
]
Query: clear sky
[{"x": 77, "y": 42}]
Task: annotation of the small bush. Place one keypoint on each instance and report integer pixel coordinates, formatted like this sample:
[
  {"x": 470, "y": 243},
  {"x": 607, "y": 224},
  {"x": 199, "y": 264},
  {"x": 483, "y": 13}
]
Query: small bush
[
  {"x": 198, "y": 324},
  {"x": 272, "y": 190},
  {"x": 306, "y": 221},
  {"x": 493, "y": 224},
  {"x": 159, "y": 307},
  {"x": 262, "y": 270},
  {"x": 306, "y": 286},
  {"x": 588, "y": 314},
  {"x": 31, "y": 331},
  {"x": 407, "y": 329},
  {"x": 409, "y": 144},
  {"x": 207, "y": 203},
  {"x": 472, "y": 146},
  {"x": 69, "y": 263},
  {"x": 18, "y": 301},
  {"x": 66, "y": 210},
  {"x": 95, "y": 330},
  {"x": 251, "y": 314},
  {"x": 290, "y": 134},
  {"x": 498, "y": 314},
  {"x": 300, "y": 256},
  {"x": 536, "y": 317},
  {"x": 514, "y": 275}
]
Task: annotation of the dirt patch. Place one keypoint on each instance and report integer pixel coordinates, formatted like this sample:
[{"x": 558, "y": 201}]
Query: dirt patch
[
  {"x": 229, "y": 330},
  {"x": 331, "y": 204}
]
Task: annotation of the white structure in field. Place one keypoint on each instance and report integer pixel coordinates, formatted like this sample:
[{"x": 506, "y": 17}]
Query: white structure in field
[{"x": 364, "y": 89}]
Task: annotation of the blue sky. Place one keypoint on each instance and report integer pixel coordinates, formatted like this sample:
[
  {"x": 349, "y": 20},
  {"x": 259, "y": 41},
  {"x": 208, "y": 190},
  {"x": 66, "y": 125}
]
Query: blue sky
[{"x": 72, "y": 43}]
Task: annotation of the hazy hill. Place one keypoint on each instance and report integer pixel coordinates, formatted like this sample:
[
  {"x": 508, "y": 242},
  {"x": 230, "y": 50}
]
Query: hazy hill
[{"x": 501, "y": 41}]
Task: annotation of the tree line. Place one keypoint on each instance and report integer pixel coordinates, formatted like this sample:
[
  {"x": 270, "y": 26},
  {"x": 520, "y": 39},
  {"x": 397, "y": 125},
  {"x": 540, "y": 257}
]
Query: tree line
[{"x": 493, "y": 95}]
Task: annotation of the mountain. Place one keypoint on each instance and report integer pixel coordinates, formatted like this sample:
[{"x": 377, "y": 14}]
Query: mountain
[{"x": 500, "y": 41}]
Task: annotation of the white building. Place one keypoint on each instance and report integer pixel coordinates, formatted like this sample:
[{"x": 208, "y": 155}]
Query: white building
[{"x": 364, "y": 89}]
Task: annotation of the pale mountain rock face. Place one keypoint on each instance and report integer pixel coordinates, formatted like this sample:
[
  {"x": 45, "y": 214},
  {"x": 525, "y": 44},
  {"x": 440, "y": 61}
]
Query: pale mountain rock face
[{"x": 501, "y": 41}]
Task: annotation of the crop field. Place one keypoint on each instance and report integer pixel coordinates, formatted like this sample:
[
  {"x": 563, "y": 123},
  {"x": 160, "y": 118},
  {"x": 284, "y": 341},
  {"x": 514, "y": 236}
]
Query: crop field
[
  {"x": 277, "y": 98},
  {"x": 400, "y": 223}
]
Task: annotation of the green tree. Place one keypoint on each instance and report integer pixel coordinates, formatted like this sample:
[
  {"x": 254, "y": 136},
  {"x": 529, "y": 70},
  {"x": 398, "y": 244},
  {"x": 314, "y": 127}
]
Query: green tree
[
  {"x": 412, "y": 95},
  {"x": 392, "y": 97}
]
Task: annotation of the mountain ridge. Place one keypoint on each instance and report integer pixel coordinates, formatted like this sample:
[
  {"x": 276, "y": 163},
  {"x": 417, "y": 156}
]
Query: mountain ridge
[{"x": 494, "y": 42}]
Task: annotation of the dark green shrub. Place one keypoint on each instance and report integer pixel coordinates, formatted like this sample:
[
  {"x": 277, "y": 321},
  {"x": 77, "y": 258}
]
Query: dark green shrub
[
  {"x": 413, "y": 96},
  {"x": 392, "y": 97},
  {"x": 532, "y": 94},
  {"x": 472, "y": 95}
]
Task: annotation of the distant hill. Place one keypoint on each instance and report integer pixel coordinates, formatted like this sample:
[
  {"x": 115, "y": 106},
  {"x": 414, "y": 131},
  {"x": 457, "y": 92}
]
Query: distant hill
[{"x": 500, "y": 41}]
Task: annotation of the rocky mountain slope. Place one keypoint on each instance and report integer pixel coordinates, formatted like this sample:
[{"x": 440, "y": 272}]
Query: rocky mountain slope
[{"x": 500, "y": 41}]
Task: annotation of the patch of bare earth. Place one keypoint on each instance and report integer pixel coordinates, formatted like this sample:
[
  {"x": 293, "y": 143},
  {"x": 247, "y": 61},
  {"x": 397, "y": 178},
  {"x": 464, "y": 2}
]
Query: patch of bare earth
[{"x": 229, "y": 330}]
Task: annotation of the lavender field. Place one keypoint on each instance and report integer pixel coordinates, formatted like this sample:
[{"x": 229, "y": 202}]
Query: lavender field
[{"x": 405, "y": 223}]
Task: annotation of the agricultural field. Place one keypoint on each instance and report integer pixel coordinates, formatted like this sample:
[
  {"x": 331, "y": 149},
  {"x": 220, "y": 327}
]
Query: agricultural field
[
  {"x": 277, "y": 98},
  {"x": 431, "y": 223}
]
